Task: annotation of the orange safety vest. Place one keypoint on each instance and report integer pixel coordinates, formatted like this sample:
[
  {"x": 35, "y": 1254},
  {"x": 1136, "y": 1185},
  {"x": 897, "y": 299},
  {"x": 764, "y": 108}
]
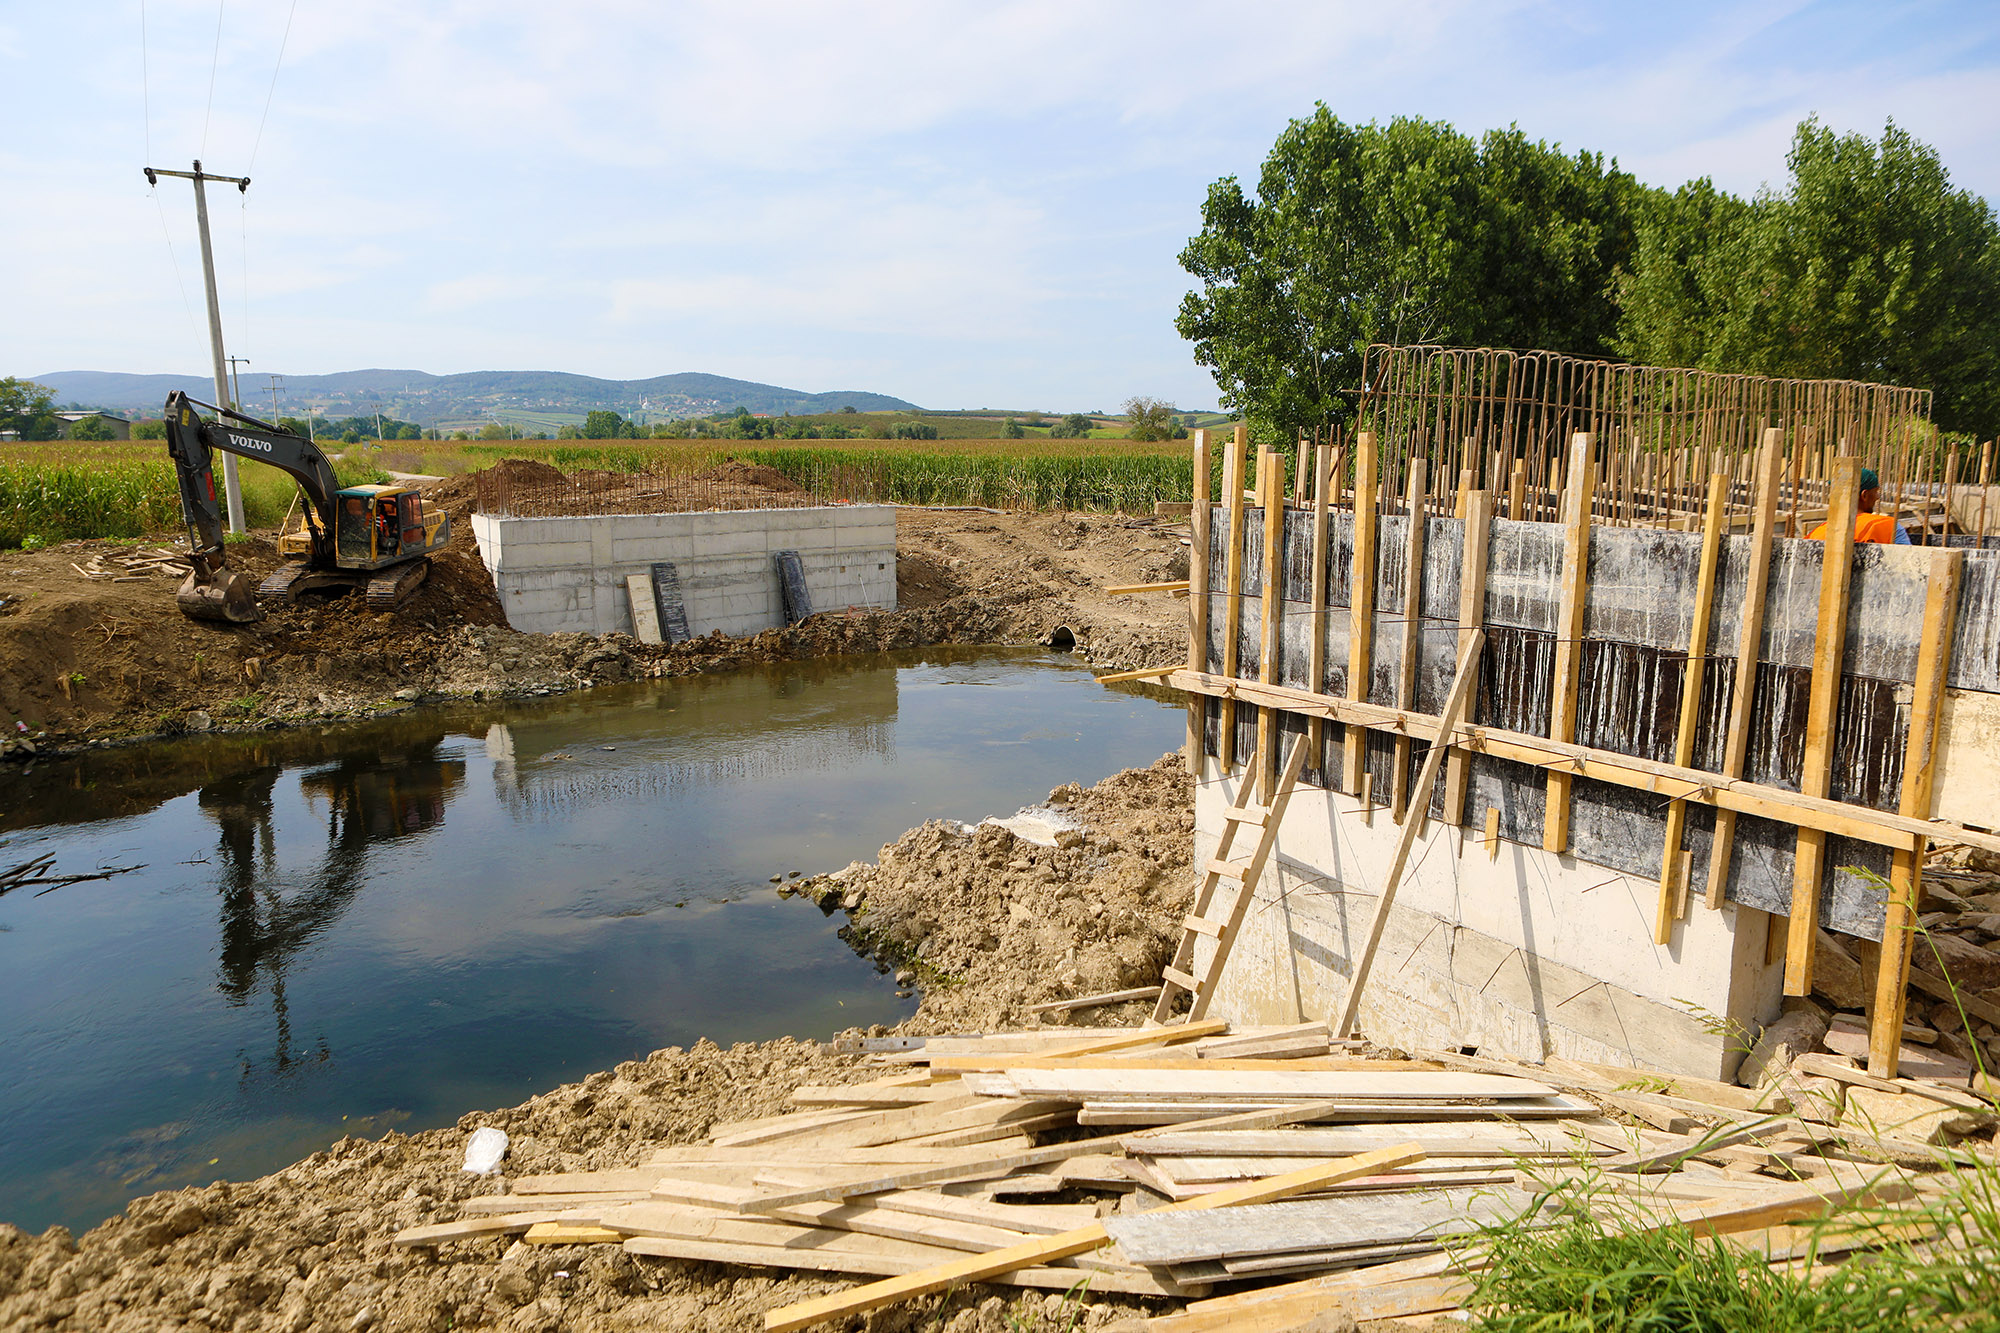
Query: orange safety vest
[{"x": 1867, "y": 528}]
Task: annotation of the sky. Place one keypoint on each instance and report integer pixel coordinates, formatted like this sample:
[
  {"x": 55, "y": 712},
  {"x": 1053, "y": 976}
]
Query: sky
[{"x": 961, "y": 204}]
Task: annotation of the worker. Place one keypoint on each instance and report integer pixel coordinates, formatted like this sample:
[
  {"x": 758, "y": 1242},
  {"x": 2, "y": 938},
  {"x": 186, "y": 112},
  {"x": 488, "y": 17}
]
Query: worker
[{"x": 1869, "y": 526}]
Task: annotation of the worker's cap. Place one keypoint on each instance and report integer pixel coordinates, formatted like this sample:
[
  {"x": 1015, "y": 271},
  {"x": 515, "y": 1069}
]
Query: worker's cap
[{"x": 1869, "y": 481}]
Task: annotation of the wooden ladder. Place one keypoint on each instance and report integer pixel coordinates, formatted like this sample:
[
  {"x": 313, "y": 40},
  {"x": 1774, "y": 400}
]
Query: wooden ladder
[{"x": 1180, "y": 975}]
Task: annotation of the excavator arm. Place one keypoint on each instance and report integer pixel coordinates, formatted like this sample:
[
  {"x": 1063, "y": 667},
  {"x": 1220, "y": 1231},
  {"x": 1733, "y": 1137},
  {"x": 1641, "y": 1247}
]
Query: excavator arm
[{"x": 214, "y": 591}]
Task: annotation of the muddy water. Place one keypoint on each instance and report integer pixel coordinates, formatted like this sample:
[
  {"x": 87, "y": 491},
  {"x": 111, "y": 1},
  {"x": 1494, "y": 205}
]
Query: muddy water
[{"x": 387, "y": 925}]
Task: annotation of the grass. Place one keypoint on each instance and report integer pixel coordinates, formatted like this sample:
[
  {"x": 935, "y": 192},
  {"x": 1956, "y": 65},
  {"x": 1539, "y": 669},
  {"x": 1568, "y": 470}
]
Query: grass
[
  {"x": 1606, "y": 1268},
  {"x": 62, "y": 491}
]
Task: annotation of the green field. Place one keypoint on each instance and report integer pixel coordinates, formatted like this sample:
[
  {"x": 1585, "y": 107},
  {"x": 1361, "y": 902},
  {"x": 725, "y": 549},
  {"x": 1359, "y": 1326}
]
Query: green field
[{"x": 63, "y": 490}]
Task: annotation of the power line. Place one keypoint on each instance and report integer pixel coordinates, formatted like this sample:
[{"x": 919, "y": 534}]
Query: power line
[
  {"x": 283, "y": 42},
  {"x": 215, "y": 62}
]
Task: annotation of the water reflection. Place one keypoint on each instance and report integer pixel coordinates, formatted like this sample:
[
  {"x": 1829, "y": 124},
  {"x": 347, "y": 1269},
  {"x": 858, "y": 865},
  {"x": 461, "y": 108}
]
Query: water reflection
[
  {"x": 396, "y": 792},
  {"x": 341, "y": 929}
]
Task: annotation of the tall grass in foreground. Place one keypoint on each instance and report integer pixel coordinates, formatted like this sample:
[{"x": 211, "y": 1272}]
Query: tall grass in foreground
[
  {"x": 1920, "y": 1266},
  {"x": 65, "y": 491}
]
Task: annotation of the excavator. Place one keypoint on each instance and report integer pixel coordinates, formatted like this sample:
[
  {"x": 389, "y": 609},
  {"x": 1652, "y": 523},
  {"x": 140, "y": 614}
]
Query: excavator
[{"x": 374, "y": 538}]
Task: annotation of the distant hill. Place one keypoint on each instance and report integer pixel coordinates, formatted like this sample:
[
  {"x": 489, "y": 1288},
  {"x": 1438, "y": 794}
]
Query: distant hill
[{"x": 413, "y": 395}]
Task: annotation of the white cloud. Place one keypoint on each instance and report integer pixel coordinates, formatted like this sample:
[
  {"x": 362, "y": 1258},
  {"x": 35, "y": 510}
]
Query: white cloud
[{"x": 953, "y": 202}]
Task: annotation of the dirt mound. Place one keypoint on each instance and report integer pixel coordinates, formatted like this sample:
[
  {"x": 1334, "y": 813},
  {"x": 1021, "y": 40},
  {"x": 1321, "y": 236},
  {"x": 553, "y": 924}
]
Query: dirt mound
[
  {"x": 989, "y": 923},
  {"x": 749, "y": 474}
]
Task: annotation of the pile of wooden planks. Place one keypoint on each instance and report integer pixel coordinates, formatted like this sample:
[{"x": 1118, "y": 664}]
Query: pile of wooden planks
[
  {"x": 1234, "y": 1159},
  {"x": 128, "y": 567}
]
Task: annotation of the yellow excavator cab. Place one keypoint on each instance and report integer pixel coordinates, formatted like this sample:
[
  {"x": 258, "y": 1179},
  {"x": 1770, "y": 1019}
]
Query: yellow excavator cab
[{"x": 379, "y": 525}]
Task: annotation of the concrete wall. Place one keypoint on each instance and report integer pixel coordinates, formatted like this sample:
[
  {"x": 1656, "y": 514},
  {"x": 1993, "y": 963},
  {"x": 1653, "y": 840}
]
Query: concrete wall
[
  {"x": 557, "y": 574},
  {"x": 1508, "y": 955}
]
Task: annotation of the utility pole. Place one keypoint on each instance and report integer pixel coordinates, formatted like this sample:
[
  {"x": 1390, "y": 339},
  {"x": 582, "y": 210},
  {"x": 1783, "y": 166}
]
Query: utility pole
[
  {"x": 232, "y": 491},
  {"x": 236, "y": 380},
  {"x": 275, "y": 386}
]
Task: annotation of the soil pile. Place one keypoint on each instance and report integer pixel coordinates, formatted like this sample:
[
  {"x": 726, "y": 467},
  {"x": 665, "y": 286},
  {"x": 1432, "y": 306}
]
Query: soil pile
[
  {"x": 992, "y": 921},
  {"x": 740, "y": 473},
  {"x": 989, "y": 923}
]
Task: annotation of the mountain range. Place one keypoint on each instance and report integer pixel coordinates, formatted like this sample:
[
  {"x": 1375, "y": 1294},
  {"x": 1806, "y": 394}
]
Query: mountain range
[{"x": 480, "y": 395}]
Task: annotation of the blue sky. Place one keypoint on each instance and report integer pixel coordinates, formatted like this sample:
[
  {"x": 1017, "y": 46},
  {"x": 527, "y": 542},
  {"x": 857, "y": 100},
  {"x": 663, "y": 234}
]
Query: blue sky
[{"x": 961, "y": 204}]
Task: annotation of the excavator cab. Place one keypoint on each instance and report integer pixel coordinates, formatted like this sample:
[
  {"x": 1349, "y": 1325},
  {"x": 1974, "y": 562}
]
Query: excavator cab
[{"x": 374, "y": 526}]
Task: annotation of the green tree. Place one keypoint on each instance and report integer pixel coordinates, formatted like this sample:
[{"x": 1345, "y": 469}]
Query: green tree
[
  {"x": 149, "y": 430},
  {"x": 601, "y": 425},
  {"x": 1151, "y": 419},
  {"x": 1012, "y": 429},
  {"x": 492, "y": 430},
  {"x": 1075, "y": 426},
  {"x": 1406, "y": 232},
  {"x": 409, "y": 431},
  {"x": 23, "y": 404},
  {"x": 1870, "y": 266},
  {"x": 92, "y": 429}
]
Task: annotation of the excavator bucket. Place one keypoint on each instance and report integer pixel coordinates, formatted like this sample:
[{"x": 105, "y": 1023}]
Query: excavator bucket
[{"x": 226, "y": 594}]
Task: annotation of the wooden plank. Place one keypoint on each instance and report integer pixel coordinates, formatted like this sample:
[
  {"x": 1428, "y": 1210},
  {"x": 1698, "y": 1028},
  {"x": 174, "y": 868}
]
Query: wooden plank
[
  {"x": 565, "y": 1233},
  {"x": 1239, "y": 907},
  {"x": 804, "y": 1314},
  {"x": 1471, "y": 616},
  {"x": 967, "y": 1064},
  {"x": 1200, "y": 521},
  {"x": 1281, "y": 1082},
  {"x": 1491, "y": 836},
  {"x": 1271, "y": 495},
  {"x": 488, "y": 1204},
  {"x": 898, "y": 1209},
  {"x": 972, "y": 1167},
  {"x": 1162, "y": 1237},
  {"x": 1125, "y": 1041},
  {"x": 864, "y": 1094},
  {"x": 1569, "y": 632},
  {"x": 1412, "y": 636},
  {"x": 1906, "y": 868},
  {"x": 1322, "y": 530},
  {"x": 1299, "y": 1306},
  {"x": 1361, "y": 605},
  {"x": 1232, "y": 615},
  {"x": 1816, "y": 776},
  {"x": 473, "y": 1228},
  {"x": 585, "y": 1182},
  {"x": 1673, "y": 883},
  {"x": 1096, "y": 1001},
  {"x": 1882, "y": 827},
  {"x": 1454, "y": 708}
]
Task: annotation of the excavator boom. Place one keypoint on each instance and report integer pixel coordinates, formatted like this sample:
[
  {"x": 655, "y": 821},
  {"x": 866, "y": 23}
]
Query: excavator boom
[{"x": 214, "y": 591}]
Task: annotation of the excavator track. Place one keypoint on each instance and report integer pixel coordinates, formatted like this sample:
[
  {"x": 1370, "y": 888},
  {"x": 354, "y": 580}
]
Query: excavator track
[
  {"x": 295, "y": 578},
  {"x": 388, "y": 589}
]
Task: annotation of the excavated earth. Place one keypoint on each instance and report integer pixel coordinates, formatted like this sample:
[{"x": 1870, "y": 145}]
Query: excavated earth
[
  {"x": 85, "y": 660},
  {"x": 981, "y": 922}
]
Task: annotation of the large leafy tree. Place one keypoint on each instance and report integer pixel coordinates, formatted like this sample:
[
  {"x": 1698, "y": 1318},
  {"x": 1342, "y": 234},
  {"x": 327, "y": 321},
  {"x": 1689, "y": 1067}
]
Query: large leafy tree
[
  {"x": 1405, "y": 232},
  {"x": 1869, "y": 266},
  {"x": 26, "y": 406}
]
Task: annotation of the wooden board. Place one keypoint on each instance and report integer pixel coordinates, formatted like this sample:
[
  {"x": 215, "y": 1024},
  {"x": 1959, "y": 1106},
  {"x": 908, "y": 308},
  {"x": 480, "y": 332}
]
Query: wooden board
[
  {"x": 1816, "y": 772},
  {"x": 1228, "y": 1084},
  {"x": 1200, "y": 520},
  {"x": 1168, "y": 1237},
  {"x": 1569, "y": 633},
  {"x": 1361, "y": 605},
  {"x": 806, "y": 1313},
  {"x": 669, "y": 609}
]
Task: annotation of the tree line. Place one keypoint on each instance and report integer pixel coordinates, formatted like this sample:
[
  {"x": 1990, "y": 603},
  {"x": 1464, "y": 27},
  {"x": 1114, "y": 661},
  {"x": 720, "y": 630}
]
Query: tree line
[{"x": 1868, "y": 264}]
